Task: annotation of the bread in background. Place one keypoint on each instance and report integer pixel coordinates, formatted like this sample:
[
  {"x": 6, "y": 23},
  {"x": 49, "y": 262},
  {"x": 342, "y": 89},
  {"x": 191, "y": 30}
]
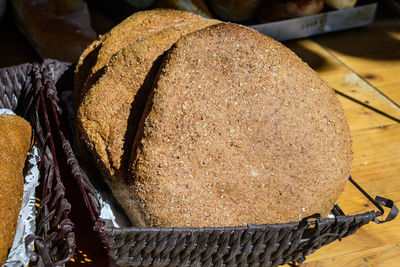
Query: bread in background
[
  {"x": 273, "y": 10},
  {"x": 58, "y": 29},
  {"x": 195, "y": 6},
  {"x": 110, "y": 112},
  {"x": 341, "y": 4},
  {"x": 15, "y": 142},
  {"x": 235, "y": 10},
  {"x": 135, "y": 27}
]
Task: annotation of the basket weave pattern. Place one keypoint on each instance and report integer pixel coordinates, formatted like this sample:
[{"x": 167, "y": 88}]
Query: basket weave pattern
[
  {"x": 254, "y": 245},
  {"x": 34, "y": 86},
  {"x": 25, "y": 90}
]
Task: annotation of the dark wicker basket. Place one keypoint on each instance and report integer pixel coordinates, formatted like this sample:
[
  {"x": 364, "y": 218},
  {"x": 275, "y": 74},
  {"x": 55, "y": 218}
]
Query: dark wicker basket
[
  {"x": 252, "y": 245},
  {"x": 26, "y": 90}
]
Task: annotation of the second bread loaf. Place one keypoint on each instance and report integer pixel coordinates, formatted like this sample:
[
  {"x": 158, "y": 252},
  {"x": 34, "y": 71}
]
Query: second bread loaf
[{"x": 15, "y": 142}]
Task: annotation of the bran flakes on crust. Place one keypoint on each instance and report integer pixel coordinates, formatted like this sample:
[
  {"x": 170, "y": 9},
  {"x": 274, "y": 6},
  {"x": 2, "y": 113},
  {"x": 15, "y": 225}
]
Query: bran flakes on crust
[
  {"x": 238, "y": 130},
  {"x": 111, "y": 110},
  {"x": 135, "y": 27}
]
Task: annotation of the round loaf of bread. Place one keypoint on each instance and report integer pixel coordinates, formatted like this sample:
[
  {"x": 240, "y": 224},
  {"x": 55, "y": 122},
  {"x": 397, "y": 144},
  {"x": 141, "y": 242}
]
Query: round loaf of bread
[
  {"x": 237, "y": 130},
  {"x": 110, "y": 112},
  {"x": 135, "y": 27}
]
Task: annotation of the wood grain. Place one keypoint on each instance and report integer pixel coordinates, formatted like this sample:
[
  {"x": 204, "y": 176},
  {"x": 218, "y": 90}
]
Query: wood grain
[
  {"x": 343, "y": 79},
  {"x": 372, "y": 52},
  {"x": 343, "y": 60}
]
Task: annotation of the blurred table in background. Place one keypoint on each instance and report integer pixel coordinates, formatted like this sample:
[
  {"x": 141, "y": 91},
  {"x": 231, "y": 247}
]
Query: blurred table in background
[{"x": 363, "y": 66}]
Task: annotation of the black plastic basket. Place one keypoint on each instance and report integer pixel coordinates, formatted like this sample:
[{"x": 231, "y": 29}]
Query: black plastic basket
[{"x": 251, "y": 245}]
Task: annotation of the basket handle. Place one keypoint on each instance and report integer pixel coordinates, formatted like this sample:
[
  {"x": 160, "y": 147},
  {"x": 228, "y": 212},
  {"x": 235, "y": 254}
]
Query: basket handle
[{"x": 379, "y": 202}]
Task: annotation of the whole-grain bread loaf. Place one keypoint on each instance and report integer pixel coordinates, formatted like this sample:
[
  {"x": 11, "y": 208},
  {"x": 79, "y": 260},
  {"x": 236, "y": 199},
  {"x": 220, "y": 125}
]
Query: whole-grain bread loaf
[
  {"x": 109, "y": 113},
  {"x": 15, "y": 142},
  {"x": 238, "y": 130},
  {"x": 137, "y": 26},
  {"x": 234, "y": 129}
]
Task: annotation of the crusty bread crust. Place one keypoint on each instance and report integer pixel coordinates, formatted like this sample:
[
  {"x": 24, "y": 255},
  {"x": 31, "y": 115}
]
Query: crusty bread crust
[
  {"x": 227, "y": 127},
  {"x": 110, "y": 112},
  {"x": 239, "y": 130},
  {"x": 133, "y": 28},
  {"x": 15, "y": 142},
  {"x": 83, "y": 68}
]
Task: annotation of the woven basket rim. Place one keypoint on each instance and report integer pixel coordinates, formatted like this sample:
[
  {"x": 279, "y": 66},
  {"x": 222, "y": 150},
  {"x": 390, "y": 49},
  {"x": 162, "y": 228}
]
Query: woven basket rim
[
  {"x": 19, "y": 89},
  {"x": 108, "y": 234}
]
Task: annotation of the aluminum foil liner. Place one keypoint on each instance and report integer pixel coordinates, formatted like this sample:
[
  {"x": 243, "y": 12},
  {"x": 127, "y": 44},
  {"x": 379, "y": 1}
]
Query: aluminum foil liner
[
  {"x": 26, "y": 219},
  {"x": 106, "y": 212}
]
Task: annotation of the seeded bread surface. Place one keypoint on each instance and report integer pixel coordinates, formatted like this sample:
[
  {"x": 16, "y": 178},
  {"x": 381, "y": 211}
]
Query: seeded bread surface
[
  {"x": 135, "y": 27},
  {"x": 238, "y": 130},
  {"x": 111, "y": 110}
]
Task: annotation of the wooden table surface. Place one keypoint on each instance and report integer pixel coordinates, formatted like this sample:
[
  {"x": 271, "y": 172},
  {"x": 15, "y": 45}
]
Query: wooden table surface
[{"x": 363, "y": 66}]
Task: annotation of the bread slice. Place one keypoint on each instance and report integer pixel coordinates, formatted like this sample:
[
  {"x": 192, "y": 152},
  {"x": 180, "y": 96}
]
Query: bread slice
[
  {"x": 110, "y": 112},
  {"x": 15, "y": 142},
  {"x": 133, "y": 28},
  {"x": 237, "y": 130}
]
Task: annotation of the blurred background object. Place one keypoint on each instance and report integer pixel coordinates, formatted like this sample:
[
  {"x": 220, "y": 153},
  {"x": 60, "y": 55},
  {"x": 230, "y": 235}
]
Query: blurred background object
[
  {"x": 3, "y": 5},
  {"x": 58, "y": 29},
  {"x": 141, "y": 4},
  {"x": 195, "y": 6},
  {"x": 341, "y": 4},
  {"x": 235, "y": 10},
  {"x": 61, "y": 29},
  {"x": 394, "y": 5},
  {"x": 273, "y": 10}
]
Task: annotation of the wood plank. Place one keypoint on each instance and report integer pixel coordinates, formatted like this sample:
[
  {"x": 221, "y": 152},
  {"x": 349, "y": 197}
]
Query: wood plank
[
  {"x": 341, "y": 78},
  {"x": 387, "y": 255},
  {"x": 376, "y": 143},
  {"x": 373, "y": 52}
]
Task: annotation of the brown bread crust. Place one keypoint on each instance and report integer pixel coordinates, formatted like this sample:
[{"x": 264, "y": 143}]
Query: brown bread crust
[
  {"x": 239, "y": 130},
  {"x": 83, "y": 67},
  {"x": 133, "y": 28},
  {"x": 111, "y": 110},
  {"x": 15, "y": 142}
]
